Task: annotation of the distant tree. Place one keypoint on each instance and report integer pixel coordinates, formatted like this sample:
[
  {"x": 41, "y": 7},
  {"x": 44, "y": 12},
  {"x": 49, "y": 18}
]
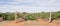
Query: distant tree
[
  {"x": 23, "y": 12},
  {"x": 58, "y": 11},
  {"x": 43, "y": 12}
]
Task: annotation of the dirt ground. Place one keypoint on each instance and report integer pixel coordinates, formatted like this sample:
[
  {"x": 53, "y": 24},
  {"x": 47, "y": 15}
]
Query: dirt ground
[{"x": 39, "y": 22}]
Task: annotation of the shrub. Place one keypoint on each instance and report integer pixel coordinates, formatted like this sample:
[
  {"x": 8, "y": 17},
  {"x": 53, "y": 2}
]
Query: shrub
[
  {"x": 30, "y": 17},
  {"x": 45, "y": 15},
  {"x": 56, "y": 15},
  {"x": 9, "y": 17}
]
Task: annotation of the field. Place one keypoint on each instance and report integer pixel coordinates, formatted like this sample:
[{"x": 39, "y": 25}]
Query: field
[{"x": 32, "y": 19}]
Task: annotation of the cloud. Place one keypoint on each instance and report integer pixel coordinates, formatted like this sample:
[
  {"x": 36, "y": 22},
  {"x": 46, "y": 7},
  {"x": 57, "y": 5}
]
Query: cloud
[
  {"x": 37, "y": 3},
  {"x": 17, "y": 8},
  {"x": 29, "y": 9},
  {"x": 30, "y": 5},
  {"x": 24, "y": 0},
  {"x": 6, "y": 0}
]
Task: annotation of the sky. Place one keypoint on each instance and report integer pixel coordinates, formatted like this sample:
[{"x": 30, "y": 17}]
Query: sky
[{"x": 29, "y": 6}]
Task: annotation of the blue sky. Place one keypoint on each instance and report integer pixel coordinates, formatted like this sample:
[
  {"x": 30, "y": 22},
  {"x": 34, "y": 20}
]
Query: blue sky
[{"x": 29, "y": 5}]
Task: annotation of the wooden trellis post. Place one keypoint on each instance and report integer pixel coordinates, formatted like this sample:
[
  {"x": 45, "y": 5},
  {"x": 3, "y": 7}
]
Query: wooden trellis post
[
  {"x": 15, "y": 15},
  {"x": 50, "y": 19}
]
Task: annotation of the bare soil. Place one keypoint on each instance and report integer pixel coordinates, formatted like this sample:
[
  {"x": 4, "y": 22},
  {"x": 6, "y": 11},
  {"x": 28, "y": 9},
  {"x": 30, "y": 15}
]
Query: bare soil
[{"x": 39, "y": 22}]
